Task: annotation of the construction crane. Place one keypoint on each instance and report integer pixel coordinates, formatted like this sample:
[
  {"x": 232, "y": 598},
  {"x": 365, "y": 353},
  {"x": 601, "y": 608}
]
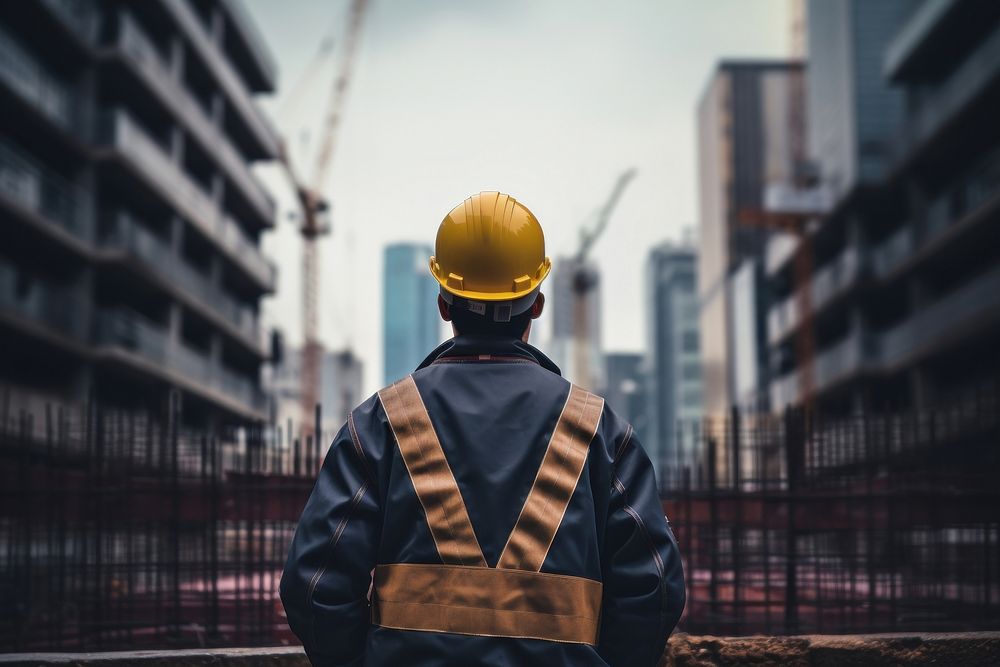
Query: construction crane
[
  {"x": 584, "y": 281},
  {"x": 315, "y": 208}
]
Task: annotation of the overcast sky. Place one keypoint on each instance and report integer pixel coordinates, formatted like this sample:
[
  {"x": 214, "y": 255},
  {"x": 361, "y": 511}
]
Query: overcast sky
[{"x": 547, "y": 101}]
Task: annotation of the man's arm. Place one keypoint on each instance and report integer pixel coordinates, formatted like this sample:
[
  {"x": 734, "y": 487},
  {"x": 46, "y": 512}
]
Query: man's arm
[
  {"x": 643, "y": 580},
  {"x": 324, "y": 587}
]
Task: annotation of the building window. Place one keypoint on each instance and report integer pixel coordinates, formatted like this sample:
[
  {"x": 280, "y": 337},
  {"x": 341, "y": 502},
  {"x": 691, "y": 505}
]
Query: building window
[
  {"x": 692, "y": 398},
  {"x": 691, "y": 371},
  {"x": 689, "y": 341}
]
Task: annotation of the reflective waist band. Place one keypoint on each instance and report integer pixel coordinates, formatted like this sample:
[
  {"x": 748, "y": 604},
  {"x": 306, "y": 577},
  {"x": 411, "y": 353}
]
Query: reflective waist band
[{"x": 487, "y": 601}]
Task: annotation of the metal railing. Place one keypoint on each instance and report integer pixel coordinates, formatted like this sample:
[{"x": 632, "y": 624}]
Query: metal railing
[
  {"x": 43, "y": 192},
  {"x": 36, "y": 85},
  {"x": 954, "y": 311},
  {"x": 828, "y": 281},
  {"x": 133, "y": 333},
  {"x": 134, "y": 238},
  {"x": 58, "y": 307},
  {"x": 877, "y": 522},
  {"x": 877, "y": 351},
  {"x": 135, "y": 530},
  {"x": 139, "y": 531},
  {"x": 893, "y": 251}
]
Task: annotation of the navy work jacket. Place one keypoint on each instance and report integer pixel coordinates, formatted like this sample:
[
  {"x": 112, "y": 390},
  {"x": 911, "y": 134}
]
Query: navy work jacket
[{"x": 493, "y": 404}]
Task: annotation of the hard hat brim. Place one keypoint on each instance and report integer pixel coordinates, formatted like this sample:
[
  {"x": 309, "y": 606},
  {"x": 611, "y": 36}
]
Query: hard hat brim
[{"x": 473, "y": 295}]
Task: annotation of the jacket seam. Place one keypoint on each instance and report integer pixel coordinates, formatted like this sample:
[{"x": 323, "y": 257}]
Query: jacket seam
[
  {"x": 334, "y": 540},
  {"x": 356, "y": 439},
  {"x": 494, "y": 359},
  {"x": 625, "y": 442},
  {"x": 657, "y": 560}
]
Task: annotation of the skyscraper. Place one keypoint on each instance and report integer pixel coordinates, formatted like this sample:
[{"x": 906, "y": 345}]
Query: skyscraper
[
  {"x": 130, "y": 263},
  {"x": 411, "y": 325},
  {"x": 852, "y": 110},
  {"x": 750, "y": 133},
  {"x": 673, "y": 374},
  {"x": 588, "y": 368},
  {"x": 625, "y": 389}
]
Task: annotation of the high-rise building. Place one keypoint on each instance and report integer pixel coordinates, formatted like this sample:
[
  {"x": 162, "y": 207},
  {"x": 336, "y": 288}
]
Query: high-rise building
[
  {"x": 906, "y": 266},
  {"x": 750, "y": 133},
  {"x": 585, "y": 367},
  {"x": 673, "y": 374},
  {"x": 410, "y": 317},
  {"x": 129, "y": 250},
  {"x": 625, "y": 389},
  {"x": 340, "y": 379},
  {"x": 852, "y": 112}
]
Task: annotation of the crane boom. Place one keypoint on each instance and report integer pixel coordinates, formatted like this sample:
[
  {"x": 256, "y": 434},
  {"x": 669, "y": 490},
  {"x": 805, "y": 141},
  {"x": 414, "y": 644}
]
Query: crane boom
[
  {"x": 584, "y": 282},
  {"x": 589, "y": 236}
]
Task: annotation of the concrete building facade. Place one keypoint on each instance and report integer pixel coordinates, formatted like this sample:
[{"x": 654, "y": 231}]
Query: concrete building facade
[
  {"x": 750, "y": 134},
  {"x": 129, "y": 252},
  {"x": 907, "y": 264},
  {"x": 411, "y": 325}
]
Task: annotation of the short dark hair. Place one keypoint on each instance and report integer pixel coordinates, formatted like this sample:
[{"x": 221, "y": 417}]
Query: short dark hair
[{"x": 473, "y": 324}]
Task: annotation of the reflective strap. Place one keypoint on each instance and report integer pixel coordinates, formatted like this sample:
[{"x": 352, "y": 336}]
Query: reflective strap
[
  {"x": 487, "y": 602},
  {"x": 431, "y": 475},
  {"x": 557, "y": 477}
]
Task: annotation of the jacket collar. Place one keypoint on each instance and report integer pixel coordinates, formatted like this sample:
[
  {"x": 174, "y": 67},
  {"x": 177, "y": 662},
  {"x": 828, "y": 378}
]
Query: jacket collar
[{"x": 486, "y": 349}]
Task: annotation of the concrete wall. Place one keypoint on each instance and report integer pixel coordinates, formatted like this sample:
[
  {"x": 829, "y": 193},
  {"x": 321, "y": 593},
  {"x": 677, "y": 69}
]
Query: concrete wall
[{"x": 967, "y": 649}]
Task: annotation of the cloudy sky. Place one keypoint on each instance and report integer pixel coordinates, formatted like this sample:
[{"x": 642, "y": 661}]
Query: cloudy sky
[{"x": 548, "y": 101}]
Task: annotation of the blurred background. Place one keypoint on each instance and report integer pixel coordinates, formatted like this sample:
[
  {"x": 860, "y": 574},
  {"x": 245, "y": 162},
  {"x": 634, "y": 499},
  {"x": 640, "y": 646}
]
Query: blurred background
[{"x": 775, "y": 228}]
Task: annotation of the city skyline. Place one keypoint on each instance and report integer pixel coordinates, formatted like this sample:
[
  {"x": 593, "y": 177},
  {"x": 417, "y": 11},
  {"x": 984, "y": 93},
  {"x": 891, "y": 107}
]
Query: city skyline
[{"x": 420, "y": 135}]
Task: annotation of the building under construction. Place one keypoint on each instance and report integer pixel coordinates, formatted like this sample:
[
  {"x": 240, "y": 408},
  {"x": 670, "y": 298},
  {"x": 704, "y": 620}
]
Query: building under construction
[
  {"x": 906, "y": 265},
  {"x": 130, "y": 263}
]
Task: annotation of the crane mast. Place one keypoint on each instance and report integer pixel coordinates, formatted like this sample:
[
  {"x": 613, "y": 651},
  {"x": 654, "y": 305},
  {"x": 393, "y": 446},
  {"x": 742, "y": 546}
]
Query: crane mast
[{"x": 314, "y": 209}]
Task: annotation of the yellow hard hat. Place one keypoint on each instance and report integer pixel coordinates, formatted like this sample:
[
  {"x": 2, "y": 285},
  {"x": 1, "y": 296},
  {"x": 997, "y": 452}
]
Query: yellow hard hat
[{"x": 490, "y": 248}]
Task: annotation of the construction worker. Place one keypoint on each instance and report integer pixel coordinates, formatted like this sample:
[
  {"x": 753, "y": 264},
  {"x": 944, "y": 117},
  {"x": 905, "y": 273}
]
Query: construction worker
[{"x": 483, "y": 510}]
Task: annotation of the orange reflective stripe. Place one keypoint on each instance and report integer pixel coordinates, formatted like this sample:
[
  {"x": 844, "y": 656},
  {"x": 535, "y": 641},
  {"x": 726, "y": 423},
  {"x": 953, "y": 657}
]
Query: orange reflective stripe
[
  {"x": 557, "y": 477},
  {"x": 485, "y": 601},
  {"x": 431, "y": 475}
]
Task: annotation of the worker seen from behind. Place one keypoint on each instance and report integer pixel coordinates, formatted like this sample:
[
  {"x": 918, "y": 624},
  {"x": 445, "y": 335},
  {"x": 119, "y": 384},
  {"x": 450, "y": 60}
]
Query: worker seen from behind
[{"x": 484, "y": 510}]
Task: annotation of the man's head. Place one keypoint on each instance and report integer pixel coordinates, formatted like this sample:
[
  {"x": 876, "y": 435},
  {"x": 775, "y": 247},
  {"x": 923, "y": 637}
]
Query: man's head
[{"x": 489, "y": 260}]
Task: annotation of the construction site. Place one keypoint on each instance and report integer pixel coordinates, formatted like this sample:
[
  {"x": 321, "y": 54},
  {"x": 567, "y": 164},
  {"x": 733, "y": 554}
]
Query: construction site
[{"x": 817, "y": 387}]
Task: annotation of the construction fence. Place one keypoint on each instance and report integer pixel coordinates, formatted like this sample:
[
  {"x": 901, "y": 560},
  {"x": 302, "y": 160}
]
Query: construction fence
[
  {"x": 877, "y": 522},
  {"x": 123, "y": 530}
]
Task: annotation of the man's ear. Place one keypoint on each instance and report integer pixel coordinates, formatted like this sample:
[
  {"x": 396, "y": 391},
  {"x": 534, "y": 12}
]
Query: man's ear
[
  {"x": 538, "y": 306},
  {"x": 444, "y": 309}
]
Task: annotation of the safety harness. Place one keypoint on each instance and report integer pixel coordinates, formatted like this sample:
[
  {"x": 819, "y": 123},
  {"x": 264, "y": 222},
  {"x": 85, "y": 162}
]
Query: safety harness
[{"x": 464, "y": 595}]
